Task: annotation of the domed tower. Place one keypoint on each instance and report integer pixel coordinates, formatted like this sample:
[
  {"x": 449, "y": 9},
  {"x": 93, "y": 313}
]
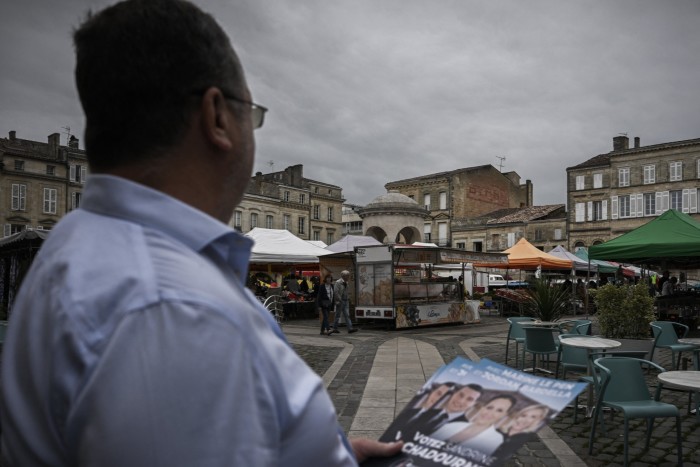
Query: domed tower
[{"x": 394, "y": 218}]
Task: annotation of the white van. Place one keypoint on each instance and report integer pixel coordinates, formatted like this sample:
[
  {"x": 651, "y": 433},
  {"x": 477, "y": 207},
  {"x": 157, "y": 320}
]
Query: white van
[{"x": 496, "y": 280}]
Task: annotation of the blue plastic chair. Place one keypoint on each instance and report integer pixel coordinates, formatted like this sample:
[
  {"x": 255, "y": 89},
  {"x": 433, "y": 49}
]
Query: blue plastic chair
[
  {"x": 538, "y": 341},
  {"x": 575, "y": 359},
  {"x": 516, "y": 333},
  {"x": 622, "y": 387},
  {"x": 666, "y": 337},
  {"x": 571, "y": 358},
  {"x": 578, "y": 326}
]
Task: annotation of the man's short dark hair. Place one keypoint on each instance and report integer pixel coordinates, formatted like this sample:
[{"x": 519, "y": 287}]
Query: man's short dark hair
[
  {"x": 140, "y": 65},
  {"x": 475, "y": 387}
]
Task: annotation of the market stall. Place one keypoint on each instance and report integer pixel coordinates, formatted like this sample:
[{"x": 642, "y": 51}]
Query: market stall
[
  {"x": 395, "y": 284},
  {"x": 278, "y": 254},
  {"x": 671, "y": 241},
  {"x": 17, "y": 252}
]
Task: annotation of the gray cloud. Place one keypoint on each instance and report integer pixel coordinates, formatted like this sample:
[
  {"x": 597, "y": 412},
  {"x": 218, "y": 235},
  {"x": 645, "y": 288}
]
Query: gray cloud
[{"x": 366, "y": 92}]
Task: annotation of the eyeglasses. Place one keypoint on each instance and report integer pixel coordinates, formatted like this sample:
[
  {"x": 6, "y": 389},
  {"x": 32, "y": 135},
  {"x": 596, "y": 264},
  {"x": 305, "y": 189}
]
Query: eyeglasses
[{"x": 257, "y": 112}]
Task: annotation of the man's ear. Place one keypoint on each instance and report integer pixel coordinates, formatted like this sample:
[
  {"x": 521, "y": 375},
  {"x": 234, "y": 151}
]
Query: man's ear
[{"x": 217, "y": 120}]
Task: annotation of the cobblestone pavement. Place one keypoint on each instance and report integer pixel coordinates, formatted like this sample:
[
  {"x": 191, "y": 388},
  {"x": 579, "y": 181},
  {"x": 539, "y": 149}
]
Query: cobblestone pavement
[{"x": 346, "y": 384}]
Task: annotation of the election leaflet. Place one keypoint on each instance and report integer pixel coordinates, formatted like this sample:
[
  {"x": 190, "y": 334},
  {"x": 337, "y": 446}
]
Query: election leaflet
[{"x": 475, "y": 414}]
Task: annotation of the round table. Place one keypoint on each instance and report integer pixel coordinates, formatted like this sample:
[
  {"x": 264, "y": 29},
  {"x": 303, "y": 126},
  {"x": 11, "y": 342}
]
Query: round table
[
  {"x": 689, "y": 380},
  {"x": 591, "y": 344}
]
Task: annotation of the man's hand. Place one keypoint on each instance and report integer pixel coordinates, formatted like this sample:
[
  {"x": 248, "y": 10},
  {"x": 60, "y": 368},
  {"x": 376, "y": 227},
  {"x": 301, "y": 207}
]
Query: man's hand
[{"x": 365, "y": 448}]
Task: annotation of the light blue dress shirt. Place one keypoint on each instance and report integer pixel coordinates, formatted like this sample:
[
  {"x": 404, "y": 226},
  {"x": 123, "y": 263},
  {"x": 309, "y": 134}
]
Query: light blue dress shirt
[{"x": 134, "y": 342}]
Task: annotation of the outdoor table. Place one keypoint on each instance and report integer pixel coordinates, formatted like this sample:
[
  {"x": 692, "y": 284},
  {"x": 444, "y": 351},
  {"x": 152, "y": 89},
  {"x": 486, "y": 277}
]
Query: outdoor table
[
  {"x": 696, "y": 353},
  {"x": 688, "y": 380},
  {"x": 591, "y": 344}
]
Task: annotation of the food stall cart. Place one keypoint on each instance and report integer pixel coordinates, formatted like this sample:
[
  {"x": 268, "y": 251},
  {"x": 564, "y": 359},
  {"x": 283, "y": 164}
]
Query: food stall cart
[{"x": 395, "y": 283}]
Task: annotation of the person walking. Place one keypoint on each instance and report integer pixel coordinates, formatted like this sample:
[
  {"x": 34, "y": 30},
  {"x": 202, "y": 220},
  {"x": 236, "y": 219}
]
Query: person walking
[
  {"x": 133, "y": 340},
  {"x": 324, "y": 303},
  {"x": 342, "y": 302}
]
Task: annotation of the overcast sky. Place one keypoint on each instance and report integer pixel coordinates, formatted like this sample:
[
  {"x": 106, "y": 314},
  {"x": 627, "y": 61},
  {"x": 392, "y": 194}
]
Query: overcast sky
[{"x": 363, "y": 92}]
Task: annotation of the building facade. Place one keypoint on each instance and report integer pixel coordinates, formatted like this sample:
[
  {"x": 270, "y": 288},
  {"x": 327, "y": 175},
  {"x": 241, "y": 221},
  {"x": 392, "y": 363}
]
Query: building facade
[
  {"x": 310, "y": 209},
  {"x": 460, "y": 195},
  {"x": 613, "y": 193},
  {"x": 543, "y": 226},
  {"x": 352, "y": 222},
  {"x": 39, "y": 182}
]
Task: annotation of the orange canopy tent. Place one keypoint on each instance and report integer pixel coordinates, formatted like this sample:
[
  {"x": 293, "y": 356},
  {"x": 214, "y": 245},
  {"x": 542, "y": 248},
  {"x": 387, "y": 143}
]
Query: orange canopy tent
[{"x": 524, "y": 255}]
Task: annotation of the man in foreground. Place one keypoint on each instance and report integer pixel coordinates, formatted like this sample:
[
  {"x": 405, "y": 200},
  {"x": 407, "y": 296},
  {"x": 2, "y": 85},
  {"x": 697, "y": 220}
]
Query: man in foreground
[{"x": 134, "y": 341}]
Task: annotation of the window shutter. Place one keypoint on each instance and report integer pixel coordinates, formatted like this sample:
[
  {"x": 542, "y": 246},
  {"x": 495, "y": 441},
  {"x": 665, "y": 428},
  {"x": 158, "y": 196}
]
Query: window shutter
[
  {"x": 590, "y": 211},
  {"x": 659, "y": 202},
  {"x": 580, "y": 208},
  {"x": 633, "y": 205},
  {"x": 6, "y": 230},
  {"x": 22, "y": 197},
  {"x": 72, "y": 200},
  {"x": 15, "y": 197},
  {"x": 71, "y": 172},
  {"x": 686, "y": 200},
  {"x": 83, "y": 173},
  {"x": 604, "y": 209},
  {"x": 693, "y": 201},
  {"x": 640, "y": 205},
  {"x": 613, "y": 207}
]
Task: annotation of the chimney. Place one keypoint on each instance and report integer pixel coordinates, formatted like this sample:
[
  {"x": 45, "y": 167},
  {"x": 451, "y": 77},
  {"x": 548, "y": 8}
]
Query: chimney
[
  {"x": 621, "y": 143},
  {"x": 296, "y": 175},
  {"x": 13, "y": 135},
  {"x": 636, "y": 142},
  {"x": 73, "y": 142},
  {"x": 54, "y": 143}
]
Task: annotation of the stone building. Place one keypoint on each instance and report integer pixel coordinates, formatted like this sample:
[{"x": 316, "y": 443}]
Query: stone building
[
  {"x": 352, "y": 222},
  {"x": 462, "y": 194},
  {"x": 310, "y": 209},
  {"x": 543, "y": 226},
  {"x": 613, "y": 193},
  {"x": 39, "y": 182}
]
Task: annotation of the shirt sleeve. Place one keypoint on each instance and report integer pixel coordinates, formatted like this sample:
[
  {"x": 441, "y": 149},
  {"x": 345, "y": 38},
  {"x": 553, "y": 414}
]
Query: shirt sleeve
[{"x": 182, "y": 386}]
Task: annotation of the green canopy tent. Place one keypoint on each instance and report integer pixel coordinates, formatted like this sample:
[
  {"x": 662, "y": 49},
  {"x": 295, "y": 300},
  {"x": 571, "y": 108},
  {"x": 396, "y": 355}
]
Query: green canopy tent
[
  {"x": 672, "y": 239},
  {"x": 603, "y": 266}
]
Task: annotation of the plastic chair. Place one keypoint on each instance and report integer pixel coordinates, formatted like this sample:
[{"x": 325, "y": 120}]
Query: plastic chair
[
  {"x": 623, "y": 388},
  {"x": 517, "y": 334},
  {"x": 539, "y": 341},
  {"x": 666, "y": 337},
  {"x": 581, "y": 327},
  {"x": 576, "y": 359},
  {"x": 571, "y": 358}
]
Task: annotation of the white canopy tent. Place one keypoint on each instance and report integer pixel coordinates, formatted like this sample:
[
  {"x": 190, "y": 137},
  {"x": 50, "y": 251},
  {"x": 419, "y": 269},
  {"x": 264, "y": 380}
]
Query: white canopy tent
[
  {"x": 282, "y": 246},
  {"x": 349, "y": 242},
  {"x": 578, "y": 263}
]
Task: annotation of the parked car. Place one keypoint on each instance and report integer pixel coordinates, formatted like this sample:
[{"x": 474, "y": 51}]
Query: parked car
[{"x": 496, "y": 280}]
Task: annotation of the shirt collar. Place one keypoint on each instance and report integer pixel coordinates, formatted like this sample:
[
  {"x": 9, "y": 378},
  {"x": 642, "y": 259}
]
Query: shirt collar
[{"x": 121, "y": 198}]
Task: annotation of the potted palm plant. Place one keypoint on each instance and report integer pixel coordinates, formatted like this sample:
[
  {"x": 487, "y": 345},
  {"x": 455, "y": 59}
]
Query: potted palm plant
[{"x": 545, "y": 301}]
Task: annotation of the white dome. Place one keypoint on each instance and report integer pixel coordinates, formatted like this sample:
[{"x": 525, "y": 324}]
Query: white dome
[{"x": 392, "y": 198}]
